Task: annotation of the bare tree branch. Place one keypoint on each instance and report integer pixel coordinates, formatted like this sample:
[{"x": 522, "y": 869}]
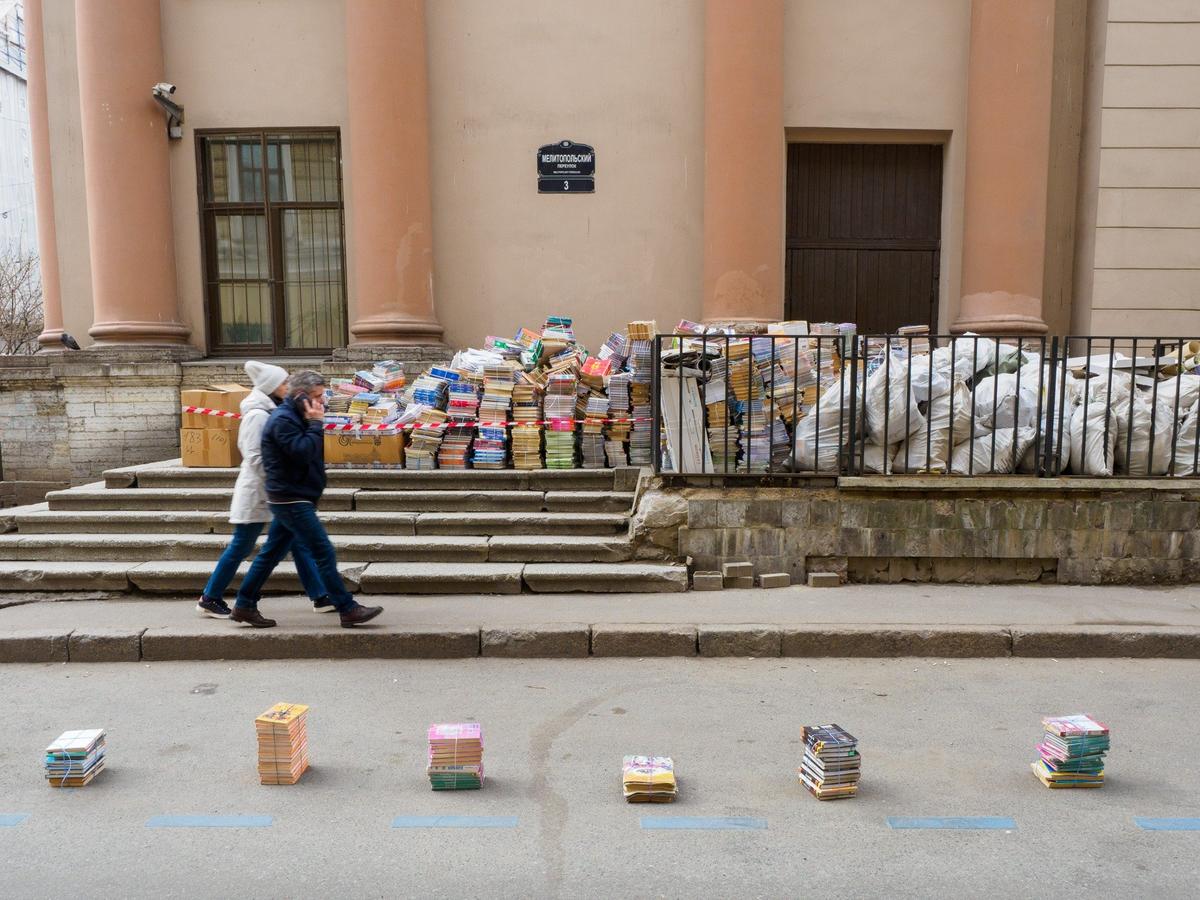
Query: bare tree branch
[{"x": 20, "y": 303}]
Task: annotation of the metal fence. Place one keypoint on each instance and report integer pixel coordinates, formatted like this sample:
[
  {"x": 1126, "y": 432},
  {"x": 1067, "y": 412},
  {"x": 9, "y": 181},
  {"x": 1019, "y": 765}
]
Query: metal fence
[{"x": 961, "y": 405}]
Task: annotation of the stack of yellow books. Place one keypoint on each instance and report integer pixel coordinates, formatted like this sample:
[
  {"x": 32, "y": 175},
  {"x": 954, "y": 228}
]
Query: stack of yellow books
[
  {"x": 282, "y": 743},
  {"x": 649, "y": 779}
]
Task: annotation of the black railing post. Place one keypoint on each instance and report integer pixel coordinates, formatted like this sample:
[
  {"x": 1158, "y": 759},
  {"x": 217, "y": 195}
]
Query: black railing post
[
  {"x": 1048, "y": 445},
  {"x": 656, "y": 405}
]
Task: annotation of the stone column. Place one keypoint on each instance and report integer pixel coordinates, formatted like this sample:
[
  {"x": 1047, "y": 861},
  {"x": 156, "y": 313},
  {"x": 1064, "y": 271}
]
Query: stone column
[
  {"x": 126, "y": 174},
  {"x": 1010, "y": 81},
  {"x": 43, "y": 182},
  {"x": 744, "y": 160},
  {"x": 390, "y": 211}
]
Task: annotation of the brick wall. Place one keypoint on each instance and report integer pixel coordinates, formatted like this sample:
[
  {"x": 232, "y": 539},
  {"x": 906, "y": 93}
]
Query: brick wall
[{"x": 1025, "y": 530}]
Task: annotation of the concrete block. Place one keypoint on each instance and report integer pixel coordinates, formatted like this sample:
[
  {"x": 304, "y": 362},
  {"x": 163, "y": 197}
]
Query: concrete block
[
  {"x": 707, "y": 581},
  {"x": 105, "y": 644},
  {"x": 824, "y": 579},
  {"x": 1136, "y": 641},
  {"x": 740, "y": 583},
  {"x": 957, "y": 641},
  {"x": 548, "y": 578},
  {"x": 737, "y": 570},
  {"x": 643, "y": 640},
  {"x": 740, "y": 640},
  {"x": 367, "y": 642},
  {"x": 774, "y": 580},
  {"x": 64, "y": 576},
  {"x": 25, "y": 646},
  {"x": 442, "y": 578},
  {"x": 559, "y": 640}
]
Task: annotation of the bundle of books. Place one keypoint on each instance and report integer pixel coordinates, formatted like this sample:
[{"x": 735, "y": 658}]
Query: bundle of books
[
  {"x": 75, "y": 758},
  {"x": 282, "y": 743},
  {"x": 455, "y": 757},
  {"x": 642, "y": 331},
  {"x": 424, "y": 439},
  {"x": 1071, "y": 754},
  {"x": 527, "y": 432},
  {"x": 462, "y": 410},
  {"x": 491, "y": 440},
  {"x": 648, "y": 779},
  {"x": 831, "y": 765},
  {"x": 725, "y": 444},
  {"x": 640, "y": 428},
  {"x": 592, "y": 438},
  {"x": 616, "y": 435}
]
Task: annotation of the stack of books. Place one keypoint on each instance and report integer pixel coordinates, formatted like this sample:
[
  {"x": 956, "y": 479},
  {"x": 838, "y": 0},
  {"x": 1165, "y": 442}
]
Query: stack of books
[
  {"x": 527, "y": 430},
  {"x": 491, "y": 441},
  {"x": 455, "y": 757},
  {"x": 648, "y": 779},
  {"x": 559, "y": 407},
  {"x": 282, "y": 743},
  {"x": 460, "y": 425},
  {"x": 616, "y": 435},
  {"x": 75, "y": 758},
  {"x": 592, "y": 439},
  {"x": 1071, "y": 754},
  {"x": 425, "y": 439},
  {"x": 831, "y": 765}
]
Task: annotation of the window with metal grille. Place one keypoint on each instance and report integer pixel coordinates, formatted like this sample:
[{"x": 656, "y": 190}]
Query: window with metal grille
[{"x": 272, "y": 238}]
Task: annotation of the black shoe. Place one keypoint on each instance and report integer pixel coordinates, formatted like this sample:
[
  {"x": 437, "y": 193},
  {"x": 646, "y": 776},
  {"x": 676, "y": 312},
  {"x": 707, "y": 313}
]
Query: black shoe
[
  {"x": 213, "y": 609},
  {"x": 357, "y": 614},
  {"x": 324, "y": 605},
  {"x": 249, "y": 615}
]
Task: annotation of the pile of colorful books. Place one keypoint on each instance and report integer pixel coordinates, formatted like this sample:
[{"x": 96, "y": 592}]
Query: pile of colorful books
[
  {"x": 649, "y": 779},
  {"x": 1071, "y": 754},
  {"x": 75, "y": 758},
  {"x": 831, "y": 766},
  {"x": 455, "y": 757},
  {"x": 282, "y": 743}
]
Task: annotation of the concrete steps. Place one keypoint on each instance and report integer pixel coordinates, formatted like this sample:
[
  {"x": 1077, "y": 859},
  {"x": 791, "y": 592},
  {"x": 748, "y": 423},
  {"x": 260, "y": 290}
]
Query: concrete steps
[{"x": 160, "y": 528}]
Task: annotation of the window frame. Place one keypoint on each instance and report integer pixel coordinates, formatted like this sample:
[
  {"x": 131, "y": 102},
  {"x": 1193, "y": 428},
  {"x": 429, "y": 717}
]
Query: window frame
[{"x": 273, "y": 213}]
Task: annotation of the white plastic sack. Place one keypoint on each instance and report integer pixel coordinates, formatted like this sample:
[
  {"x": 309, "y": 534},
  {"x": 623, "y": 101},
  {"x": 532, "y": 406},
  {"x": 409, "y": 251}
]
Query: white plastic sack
[
  {"x": 931, "y": 445},
  {"x": 891, "y": 409},
  {"x": 1185, "y": 447},
  {"x": 816, "y": 449},
  {"x": 1135, "y": 456},
  {"x": 991, "y": 452},
  {"x": 1000, "y": 402},
  {"x": 929, "y": 378},
  {"x": 1099, "y": 455},
  {"x": 871, "y": 459},
  {"x": 1186, "y": 386}
]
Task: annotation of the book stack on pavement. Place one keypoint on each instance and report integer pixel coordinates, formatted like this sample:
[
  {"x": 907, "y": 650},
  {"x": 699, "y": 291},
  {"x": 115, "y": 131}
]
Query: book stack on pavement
[
  {"x": 455, "y": 757},
  {"x": 649, "y": 779},
  {"x": 282, "y": 743},
  {"x": 75, "y": 758},
  {"x": 1071, "y": 754},
  {"x": 831, "y": 766}
]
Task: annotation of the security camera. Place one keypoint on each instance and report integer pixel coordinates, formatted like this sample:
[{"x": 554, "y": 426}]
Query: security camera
[{"x": 162, "y": 96}]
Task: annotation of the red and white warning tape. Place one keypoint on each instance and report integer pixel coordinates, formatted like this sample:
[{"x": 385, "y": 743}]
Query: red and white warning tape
[{"x": 409, "y": 426}]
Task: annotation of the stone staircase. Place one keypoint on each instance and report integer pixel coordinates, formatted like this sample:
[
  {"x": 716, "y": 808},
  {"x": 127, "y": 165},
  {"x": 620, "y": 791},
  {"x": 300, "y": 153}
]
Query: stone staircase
[{"x": 159, "y": 529}]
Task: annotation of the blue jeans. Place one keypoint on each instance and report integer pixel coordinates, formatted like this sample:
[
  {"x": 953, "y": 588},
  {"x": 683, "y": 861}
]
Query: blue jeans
[
  {"x": 244, "y": 536},
  {"x": 295, "y": 524}
]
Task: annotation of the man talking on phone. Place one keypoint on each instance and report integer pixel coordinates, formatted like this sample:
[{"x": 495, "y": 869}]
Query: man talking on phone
[{"x": 293, "y": 457}]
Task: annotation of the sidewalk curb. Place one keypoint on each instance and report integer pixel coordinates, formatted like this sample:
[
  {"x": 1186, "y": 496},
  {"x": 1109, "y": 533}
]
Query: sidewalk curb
[{"x": 579, "y": 641}]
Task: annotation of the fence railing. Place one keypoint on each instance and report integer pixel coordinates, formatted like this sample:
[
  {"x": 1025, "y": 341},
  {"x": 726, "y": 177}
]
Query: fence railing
[{"x": 925, "y": 404}]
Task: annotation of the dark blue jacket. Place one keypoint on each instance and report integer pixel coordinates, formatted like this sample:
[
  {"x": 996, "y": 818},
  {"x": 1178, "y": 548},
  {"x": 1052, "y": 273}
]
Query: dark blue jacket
[{"x": 293, "y": 455}]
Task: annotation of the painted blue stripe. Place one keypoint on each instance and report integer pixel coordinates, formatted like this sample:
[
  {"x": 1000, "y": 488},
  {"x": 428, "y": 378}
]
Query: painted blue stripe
[
  {"x": 209, "y": 822},
  {"x": 454, "y": 822},
  {"x": 8, "y": 820},
  {"x": 988, "y": 823},
  {"x": 727, "y": 823},
  {"x": 1167, "y": 824}
]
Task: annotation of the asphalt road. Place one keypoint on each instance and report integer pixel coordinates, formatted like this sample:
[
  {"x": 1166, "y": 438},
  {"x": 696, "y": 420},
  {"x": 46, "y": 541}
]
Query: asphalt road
[{"x": 938, "y": 739}]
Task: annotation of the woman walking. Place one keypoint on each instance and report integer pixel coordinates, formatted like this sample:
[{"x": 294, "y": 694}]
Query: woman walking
[{"x": 248, "y": 512}]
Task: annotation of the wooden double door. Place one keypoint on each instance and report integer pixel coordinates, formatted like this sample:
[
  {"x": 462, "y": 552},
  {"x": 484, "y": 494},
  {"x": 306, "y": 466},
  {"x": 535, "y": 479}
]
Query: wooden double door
[{"x": 863, "y": 234}]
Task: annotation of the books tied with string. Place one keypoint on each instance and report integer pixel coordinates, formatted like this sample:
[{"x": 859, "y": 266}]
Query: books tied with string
[
  {"x": 831, "y": 766},
  {"x": 649, "y": 779},
  {"x": 282, "y": 743},
  {"x": 1071, "y": 754},
  {"x": 455, "y": 757},
  {"x": 75, "y": 758}
]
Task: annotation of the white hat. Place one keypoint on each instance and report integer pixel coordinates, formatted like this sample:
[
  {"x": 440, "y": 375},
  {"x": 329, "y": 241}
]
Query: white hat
[{"x": 264, "y": 376}]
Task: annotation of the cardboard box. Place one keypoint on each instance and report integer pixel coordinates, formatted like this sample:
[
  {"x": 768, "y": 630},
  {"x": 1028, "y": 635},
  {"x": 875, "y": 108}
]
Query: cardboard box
[
  {"x": 193, "y": 420},
  {"x": 209, "y": 448},
  {"x": 364, "y": 449},
  {"x": 226, "y": 397}
]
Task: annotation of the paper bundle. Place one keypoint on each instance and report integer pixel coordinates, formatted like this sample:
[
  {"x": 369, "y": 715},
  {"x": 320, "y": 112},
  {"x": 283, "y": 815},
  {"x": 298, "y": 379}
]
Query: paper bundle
[
  {"x": 1071, "y": 754},
  {"x": 649, "y": 779},
  {"x": 282, "y": 743},
  {"x": 455, "y": 757},
  {"x": 831, "y": 766},
  {"x": 75, "y": 758}
]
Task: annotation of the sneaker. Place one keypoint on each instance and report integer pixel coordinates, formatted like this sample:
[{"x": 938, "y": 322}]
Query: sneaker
[
  {"x": 357, "y": 614},
  {"x": 324, "y": 605},
  {"x": 213, "y": 609},
  {"x": 249, "y": 615}
]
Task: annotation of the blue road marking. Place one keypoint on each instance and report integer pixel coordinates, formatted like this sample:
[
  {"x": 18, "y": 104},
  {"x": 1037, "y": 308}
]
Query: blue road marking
[
  {"x": 8, "y": 820},
  {"x": 1149, "y": 824},
  {"x": 454, "y": 822},
  {"x": 726, "y": 823},
  {"x": 209, "y": 822},
  {"x": 987, "y": 823}
]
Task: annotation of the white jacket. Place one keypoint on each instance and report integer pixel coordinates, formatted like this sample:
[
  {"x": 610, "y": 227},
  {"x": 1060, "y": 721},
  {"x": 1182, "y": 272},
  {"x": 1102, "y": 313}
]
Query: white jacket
[{"x": 249, "y": 491}]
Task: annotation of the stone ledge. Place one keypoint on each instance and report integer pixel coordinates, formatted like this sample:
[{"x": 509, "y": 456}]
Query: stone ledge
[
  {"x": 560, "y": 641},
  {"x": 956, "y": 641},
  {"x": 1136, "y": 641},
  {"x": 35, "y": 646},
  {"x": 740, "y": 640},
  {"x": 1021, "y": 483},
  {"x": 644, "y": 640},
  {"x": 416, "y": 642},
  {"x": 105, "y": 645}
]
